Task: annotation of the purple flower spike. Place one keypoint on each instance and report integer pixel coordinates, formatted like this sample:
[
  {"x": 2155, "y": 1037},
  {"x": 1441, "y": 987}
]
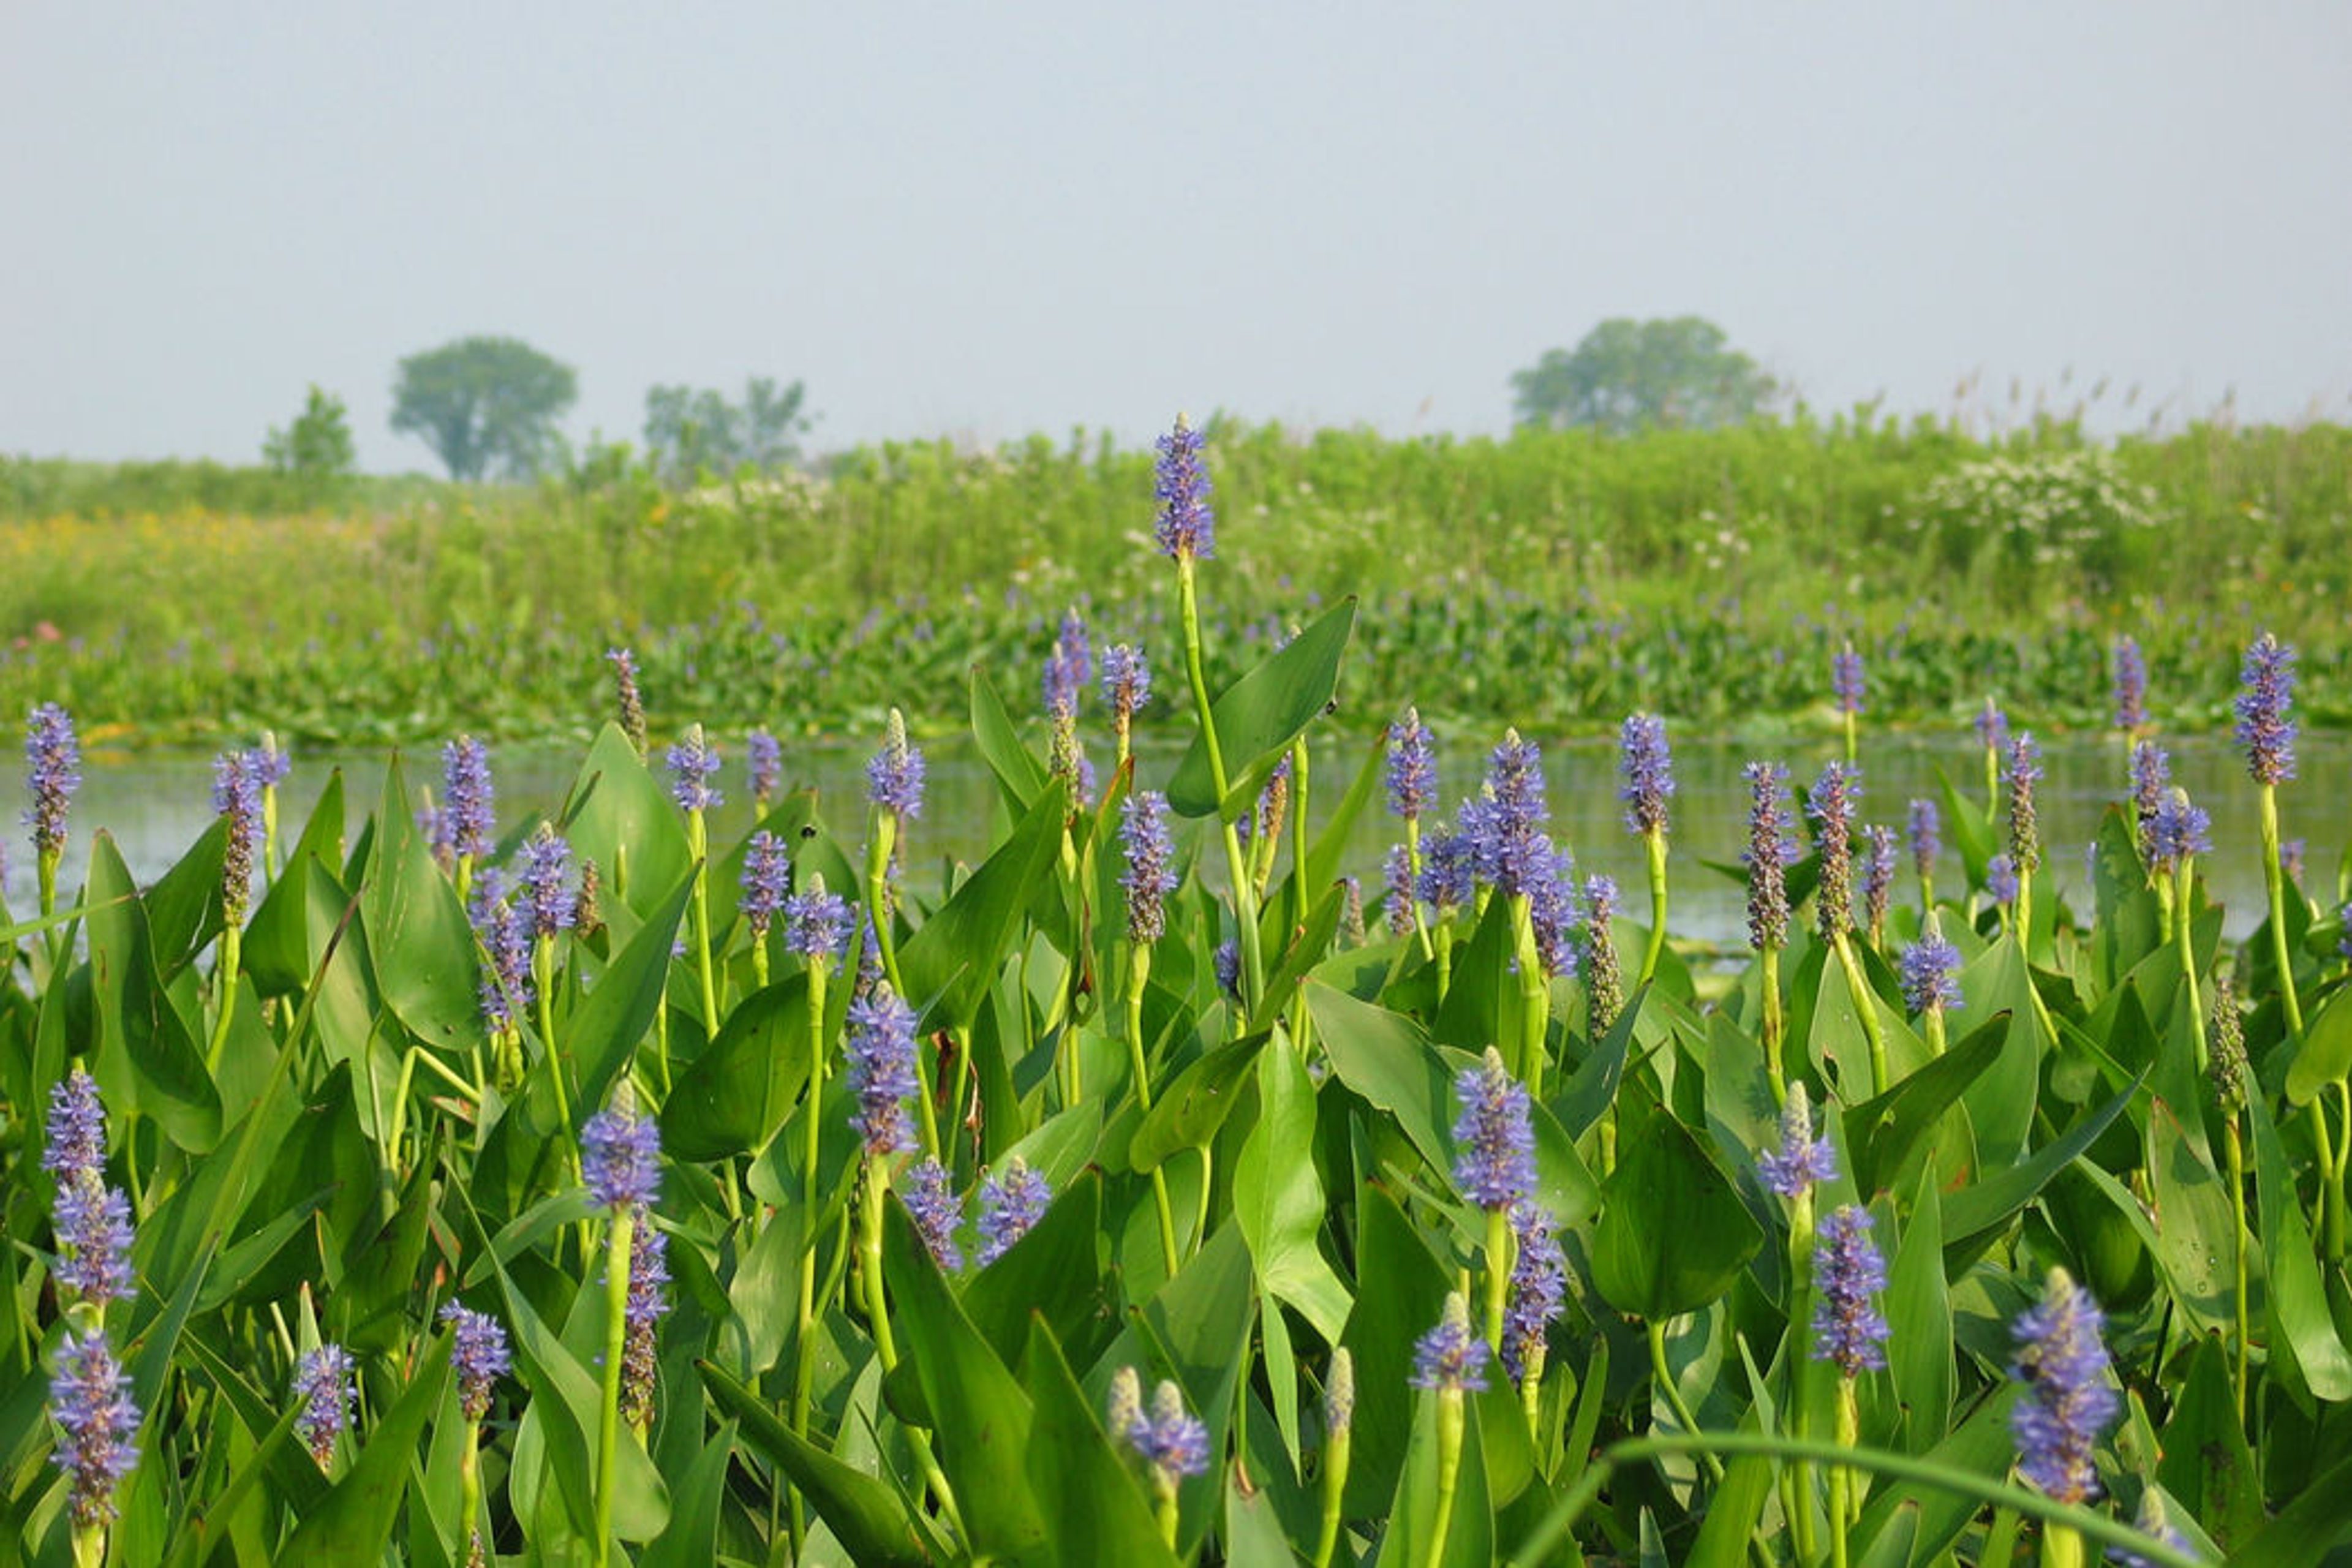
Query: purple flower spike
[
  {"x": 271, "y": 765},
  {"x": 894, "y": 779},
  {"x": 1450, "y": 1358},
  {"x": 93, "y": 1229},
  {"x": 2068, "y": 1404},
  {"x": 620, "y": 1158},
  {"x": 1495, "y": 1158},
  {"x": 640, "y": 1315},
  {"x": 1507, "y": 826},
  {"x": 479, "y": 1355},
  {"x": 1926, "y": 825},
  {"x": 2000, "y": 879},
  {"x": 1449, "y": 868},
  {"x": 237, "y": 795},
  {"x": 2265, "y": 710},
  {"x": 767, "y": 882},
  {"x": 881, "y": 1051},
  {"x": 764, "y": 759},
  {"x": 1878, "y": 873},
  {"x": 816, "y": 924},
  {"x": 1396, "y": 871},
  {"x": 546, "y": 860},
  {"x": 322, "y": 1382},
  {"x": 77, "y": 1141},
  {"x": 1010, "y": 1207},
  {"x": 90, "y": 1399},
  {"x": 1830, "y": 804},
  {"x": 2178, "y": 831},
  {"x": 2131, "y": 685},
  {"x": 1125, "y": 680},
  {"x": 1151, "y": 871},
  {"x": 1802, "y": 1161},
  {"x": 1412, "y": 765},
  {"x": 1172, "y": 1441},
  {"x": 504, "y": 931},
  {"x": 1228, "y": 964},
  {"x": 468, "y": 819},
  {"x": 2020, "y": 771},
  {"x": 630, "y": 702},
  {"x": 1538, "y": 1287},
  {"x": 1648, "y": 771},
  {"x": 935, "y": 1211},
  {"x": 693, "y": 764},
  {"x": 1845, "y": 679},
  {"x": 1848, "y": 1329},
  {"x": 1069, "y": 667},
  {"x": 1930, "y": 971},
  {"x": 1186, "y": 526},
  {"x": 53, "y": 757},
  {"x": 1992, "y": 728},
  {"x": 1770, "y": 851}
]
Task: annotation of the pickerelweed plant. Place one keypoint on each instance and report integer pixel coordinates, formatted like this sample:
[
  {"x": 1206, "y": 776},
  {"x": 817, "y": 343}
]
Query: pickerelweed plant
[{"x": 788, "y": 1229}]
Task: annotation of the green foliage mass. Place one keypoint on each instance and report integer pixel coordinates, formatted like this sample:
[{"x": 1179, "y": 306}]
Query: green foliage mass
[
  {"x": 1555, "y": 578},
  {"x": 1626, "y": 376},
  {"x": 1245, "y": 1180}
]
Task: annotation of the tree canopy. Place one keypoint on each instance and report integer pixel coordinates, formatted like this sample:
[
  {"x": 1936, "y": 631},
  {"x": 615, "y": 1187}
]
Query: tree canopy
[
  {"x": 485, "y": 405},
  {"x": 690, "y": 431},
  {"x": 1628, "y": 376},
  {"x": 318, "y": 446}
]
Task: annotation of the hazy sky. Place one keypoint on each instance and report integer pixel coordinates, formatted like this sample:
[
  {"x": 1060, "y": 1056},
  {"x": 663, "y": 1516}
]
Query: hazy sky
[{"x": 986, "y": 220}]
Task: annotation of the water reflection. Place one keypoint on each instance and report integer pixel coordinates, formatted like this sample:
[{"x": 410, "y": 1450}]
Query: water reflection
[{"x": 155, "y": 803}]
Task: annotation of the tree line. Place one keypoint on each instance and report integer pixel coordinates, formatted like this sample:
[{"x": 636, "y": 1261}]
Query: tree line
[{"x": 490, "y": 406}]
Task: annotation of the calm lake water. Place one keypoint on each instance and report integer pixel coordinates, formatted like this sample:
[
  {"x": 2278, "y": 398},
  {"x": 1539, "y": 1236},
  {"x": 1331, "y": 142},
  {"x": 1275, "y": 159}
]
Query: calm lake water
[{"x": 155, "y": 803}]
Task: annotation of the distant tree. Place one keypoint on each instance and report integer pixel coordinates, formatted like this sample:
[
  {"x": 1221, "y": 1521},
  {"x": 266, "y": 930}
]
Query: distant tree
[
  {"x": 318, "y": 446},
  {"x": 689, "y": 431},
  {"x": 484, "y": 405},
  {"x": 1628, "y": 375}
]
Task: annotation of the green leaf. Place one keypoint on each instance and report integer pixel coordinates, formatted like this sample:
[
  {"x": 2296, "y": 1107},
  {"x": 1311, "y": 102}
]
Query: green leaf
[
  {"x": 1919, "y": 1359},
  {"x": 1086, "y": 1487},
  {"x": 2326, "y": 1057},
  {"x": 1278, "y": 1198},
  {"x": 1882, "y": 1133},
  {"x": 276, "y": 944},
  {"x": 1259, "y": 715},
  {"x": 1053, "y": 1276},
  {"x": 1975, "y": 1214},
  {"x": 352, "y": 1526},
  {"x": 603, "y": 1034},
  {"x": 417, "y": 929},
  {"x": 618, "y": 816},
  {"x": 2205, "y": 1461},
  {"x": 1674, "y": 1234},
  {"x": 1406, "y": 1304},
  {"x": 1018, "y": 773},
  {"x": 860, "y": 1510},
  {"x": 955, "y": 956},
  {"x": 730, "y": 1100},
  {"x": 138, "y": 1026},
  {"x": 2307, "y": 1530},
  {"x": 2301, "y": 1323},
  {"x": 983, "y": 1418},
  {"x": 692, "y": 1541},
  {"x": 1196, "y": 1102}
]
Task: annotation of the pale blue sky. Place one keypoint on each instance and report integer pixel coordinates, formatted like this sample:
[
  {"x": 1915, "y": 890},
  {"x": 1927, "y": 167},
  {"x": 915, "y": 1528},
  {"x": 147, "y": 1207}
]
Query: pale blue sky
[{"x": 989, "y": 220}]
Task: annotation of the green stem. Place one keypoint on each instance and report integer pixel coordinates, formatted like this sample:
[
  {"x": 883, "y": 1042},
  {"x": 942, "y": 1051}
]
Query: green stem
[
  {"x": 2238, "y": 1238},
  {"x": 1335, "y": 1484},
  {"x": 878, "y": 1313},
  {"x": 812, "y": 1116},
  {"x": 1675, "y": 1401},
  {"x": 1840, "y": 1485},
  {"x": 1236, "y": 863},
  {"x": 1413, "y": 883},
  {"x": 1535, "y": 995},
  {"x": 698, "y": 845},
  {"x": 469, "y": 1493},
  {"x": 2274, "y": 880},
  {"x": 224, "y": 969},
  {"x": 608, "y": 1414},
  {"x": 1498, "y": 1274},
  {"x": 1138, "y": 974},
  {"x": 1656, "y": 840},
  {"x": 1451, "y": 1420},
  {"x": 2188, "y": 962},
  {"x": 1774, "y": 1025}
]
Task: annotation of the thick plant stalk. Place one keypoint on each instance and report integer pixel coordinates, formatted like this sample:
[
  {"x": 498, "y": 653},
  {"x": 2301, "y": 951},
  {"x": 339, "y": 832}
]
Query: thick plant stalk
[
  {"x": 608, "y": 1410},
  {"x": 1236, "y": 863}
]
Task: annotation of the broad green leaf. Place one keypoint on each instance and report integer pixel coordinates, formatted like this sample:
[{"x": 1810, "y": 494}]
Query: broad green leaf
[
  {"x": 1975, "y": 1214},
  {"x": 1919, "y": 1359},
  {"x": 954, "y": 956},
  {"x": 730, "y": 1100},
  {"x": 1674, "y": 1234},
  {"x": 619, "y": 815},
  {"x": 1406, "y": 1304},
  {"x": 417, "y": 929},
  {"x": 862, "y": 1512},
  {"x": 277, "y": 945},
  {"x": 1259, "y": 715},
  {"x": 2206, "y": 1460},
  {"x": 603, "y": 1035},
  {"x": 1882, "y": 1133},
  {"x": 146, "y": 1059},
  {"x": 1052, "y": 1276},
  {"x": 1018, "y": 773},
  {"x": 2301, "y": 1324},
  {"x": 2326, "y": 1056},
  {"x": 1084, "y": 1486},
  {"x": 692, "y": 1541},
  {"x": 1195, "y": 1103},
  {"x": 1278, "y": 1198}
]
